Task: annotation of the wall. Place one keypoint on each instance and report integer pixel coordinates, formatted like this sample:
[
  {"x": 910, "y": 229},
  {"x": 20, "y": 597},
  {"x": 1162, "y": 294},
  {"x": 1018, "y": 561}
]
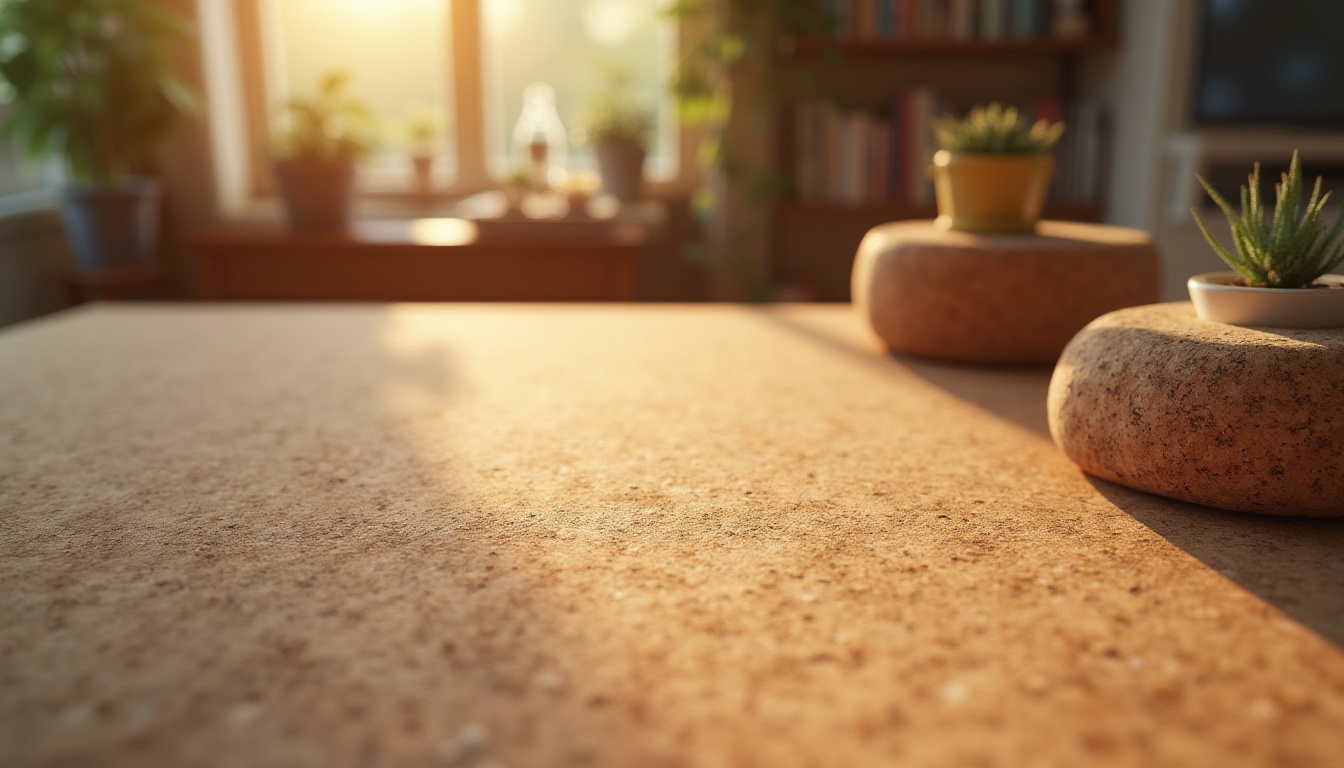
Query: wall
[
  {"x": 32, "y": 257},
  {"x": 1158, "y": 151}
]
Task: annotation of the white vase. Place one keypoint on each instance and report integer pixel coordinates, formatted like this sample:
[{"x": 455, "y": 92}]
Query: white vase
[{"x": 1218, "y": 297}]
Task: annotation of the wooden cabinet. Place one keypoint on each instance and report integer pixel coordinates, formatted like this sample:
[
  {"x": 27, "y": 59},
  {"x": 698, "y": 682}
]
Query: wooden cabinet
[
  {"x": 423, "y": 260},
  {"x": 818, "y": 227}
]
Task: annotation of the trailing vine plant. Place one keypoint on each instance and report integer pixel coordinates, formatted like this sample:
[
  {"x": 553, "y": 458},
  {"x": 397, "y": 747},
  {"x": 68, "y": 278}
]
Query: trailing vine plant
[{"x": 732, "y": 41}]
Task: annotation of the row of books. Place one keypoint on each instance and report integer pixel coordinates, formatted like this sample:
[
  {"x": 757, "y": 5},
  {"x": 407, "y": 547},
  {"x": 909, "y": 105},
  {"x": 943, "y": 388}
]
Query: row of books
[
  {"x": 864, "y": 157},
  {"x": 949, "y": 19}
]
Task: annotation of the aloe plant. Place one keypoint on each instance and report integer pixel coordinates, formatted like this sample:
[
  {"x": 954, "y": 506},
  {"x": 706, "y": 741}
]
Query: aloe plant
[
  {"x": 1293, "y": 248},
  {"x": 996, "y": 130}
]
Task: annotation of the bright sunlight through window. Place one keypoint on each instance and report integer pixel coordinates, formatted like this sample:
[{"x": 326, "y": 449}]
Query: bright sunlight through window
[
  {"x": 568, "y": 44},
  {"x": 398, "y": 55}
]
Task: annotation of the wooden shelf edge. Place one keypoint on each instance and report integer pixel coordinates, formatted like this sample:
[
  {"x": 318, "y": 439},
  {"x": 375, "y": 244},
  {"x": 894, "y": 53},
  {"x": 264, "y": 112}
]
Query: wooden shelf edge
[
  {"x": 898, "y": 211},
  {"x": 811, "y": 47}
]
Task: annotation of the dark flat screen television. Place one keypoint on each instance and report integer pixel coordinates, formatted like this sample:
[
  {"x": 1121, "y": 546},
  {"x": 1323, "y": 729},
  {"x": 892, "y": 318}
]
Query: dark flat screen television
[{"x": 1270, "y": 63}]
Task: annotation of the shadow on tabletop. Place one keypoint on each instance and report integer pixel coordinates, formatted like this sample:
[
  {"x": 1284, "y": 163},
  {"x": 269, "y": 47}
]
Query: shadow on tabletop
[
  {"x": 1295, "y": 564},
  {"x": 1014, "y": 393}
]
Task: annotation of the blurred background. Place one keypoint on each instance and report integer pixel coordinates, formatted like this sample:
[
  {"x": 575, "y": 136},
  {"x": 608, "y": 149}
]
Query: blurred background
[{"x": 733, "y": 204}]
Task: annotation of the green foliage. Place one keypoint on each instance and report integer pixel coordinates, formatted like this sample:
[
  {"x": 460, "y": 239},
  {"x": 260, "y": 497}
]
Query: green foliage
[
  {"x": 1293, "y": 248},
  {"x": 331, "y": 125},
  {"x": 423, "y": 126},
  {"x": 723, "y": 35},
  {"x": 93, "y": 80},
  {"x": 518, "y": 178},
  {"x": 727, "y": 38},
  {"x": 614, "y": 114},
  {"x": 996, "y": 130}
]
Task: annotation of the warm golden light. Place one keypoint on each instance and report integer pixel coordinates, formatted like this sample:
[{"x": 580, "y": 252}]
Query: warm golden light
[
  {"x": 502, "y": 15},
  {"x": 443, "y": 232},
  {"x": 610, "y": 22}
]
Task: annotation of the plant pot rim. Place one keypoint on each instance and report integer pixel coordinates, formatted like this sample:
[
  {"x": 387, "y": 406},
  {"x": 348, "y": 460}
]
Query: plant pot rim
[
  {"x": 944, "y": 156},
  {"x": 314, "y": 160},
  {"x": 1227, "y": 281},
  {"x": 1217, "y": 298},
  {"x": 629, "y": 144},
  {"x": 132, "y": 185}
]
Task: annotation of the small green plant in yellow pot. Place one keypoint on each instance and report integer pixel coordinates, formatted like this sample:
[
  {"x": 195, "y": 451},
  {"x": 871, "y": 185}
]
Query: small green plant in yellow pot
[{"x": 992, "y": 170}]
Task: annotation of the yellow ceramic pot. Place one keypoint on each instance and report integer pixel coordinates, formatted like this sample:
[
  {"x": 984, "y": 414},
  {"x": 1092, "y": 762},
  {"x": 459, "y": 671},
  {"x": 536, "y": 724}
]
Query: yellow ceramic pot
[{"x": 990, "y": 193}]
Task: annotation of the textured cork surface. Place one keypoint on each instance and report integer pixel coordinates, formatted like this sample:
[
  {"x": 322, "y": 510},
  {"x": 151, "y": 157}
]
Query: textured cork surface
[
  {"x": 998, "y": 298},
  {"x": 1238, "y": 418},
  {"x": 612, "y": 536}
]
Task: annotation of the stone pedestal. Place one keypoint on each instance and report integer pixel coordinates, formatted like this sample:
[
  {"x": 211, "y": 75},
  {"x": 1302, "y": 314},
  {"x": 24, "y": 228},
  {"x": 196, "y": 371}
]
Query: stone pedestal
[
  {"x": 1239, "y": 418},
  {"x": 1014, "y": 299}
]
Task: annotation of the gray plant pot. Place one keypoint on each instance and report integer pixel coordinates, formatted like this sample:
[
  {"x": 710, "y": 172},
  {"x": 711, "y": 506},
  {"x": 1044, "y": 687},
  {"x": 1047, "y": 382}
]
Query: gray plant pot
[
  {"x": 621, "y": 165},
  {"x": 113, "y": 226},
  {"x": 424, "y": 173},
  {"x": 317, "y": 193}
]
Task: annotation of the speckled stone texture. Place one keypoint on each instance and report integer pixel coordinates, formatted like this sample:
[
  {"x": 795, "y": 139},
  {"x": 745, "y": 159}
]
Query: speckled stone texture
[
  {"x": 612, "y": 536},
  {"x": 1238, "y": 418},
  {"x": 998, "y": 298}
]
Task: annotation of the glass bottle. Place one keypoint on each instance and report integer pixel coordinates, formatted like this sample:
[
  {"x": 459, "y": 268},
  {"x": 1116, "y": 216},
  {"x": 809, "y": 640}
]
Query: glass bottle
[{"x": 539, "y": 143}]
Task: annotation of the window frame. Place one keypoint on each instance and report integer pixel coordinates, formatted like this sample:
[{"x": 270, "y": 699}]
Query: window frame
[{"x": 256, "y": 106}]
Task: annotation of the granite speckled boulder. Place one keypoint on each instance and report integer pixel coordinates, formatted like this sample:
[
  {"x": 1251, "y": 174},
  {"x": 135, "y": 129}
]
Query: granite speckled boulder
[
  {"x": 1013, "y": 299},
  {"x": 1239, "y": 418}
]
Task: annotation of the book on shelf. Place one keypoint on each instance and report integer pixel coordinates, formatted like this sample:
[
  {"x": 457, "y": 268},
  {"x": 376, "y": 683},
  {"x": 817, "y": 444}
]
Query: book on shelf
[
  {"x": 857, "y": 156},
  {"x": 939, "y": 19},
  {"x": 881, "y": 155}
]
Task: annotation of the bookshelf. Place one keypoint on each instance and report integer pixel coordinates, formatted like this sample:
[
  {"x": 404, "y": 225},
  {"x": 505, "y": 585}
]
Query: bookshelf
[{"x": 884, "y": 83}]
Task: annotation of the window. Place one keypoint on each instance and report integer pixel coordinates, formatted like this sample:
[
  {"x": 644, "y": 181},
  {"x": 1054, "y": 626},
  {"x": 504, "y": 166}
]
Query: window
[
  {"x": 464, "y": 63},
  {"x": 24, "y": 183},
  {"x": 397, "y": 53},
  {"x": 567, "y": 45}
]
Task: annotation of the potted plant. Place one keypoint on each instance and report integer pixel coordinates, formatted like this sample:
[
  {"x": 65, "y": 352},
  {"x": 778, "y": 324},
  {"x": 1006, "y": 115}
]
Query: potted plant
[
  {"x": 1280, "y": 265},
  {"x": 618, "y": 127},
  {"x": 315, "y": 153},
  {"x": 992, "y": 170},
  {"x": 94, "y": 83},
  {"x": 423, "y": 128},
  {"x": 516, "y": 186}
]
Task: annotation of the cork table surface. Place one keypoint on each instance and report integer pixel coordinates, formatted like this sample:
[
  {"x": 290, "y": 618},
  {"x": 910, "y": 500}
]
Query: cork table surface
[{"x": 472, "y": 535}]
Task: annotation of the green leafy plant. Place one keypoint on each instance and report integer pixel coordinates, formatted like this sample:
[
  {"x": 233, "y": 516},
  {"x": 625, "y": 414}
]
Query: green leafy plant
[
  {"x": 93, "y": 81},
  {"x": 996, "y": 130},
  {"x": 728, "y": 45},
  {"x": 1290, "y": 250},
  {"x": 332, "y": 125},
  {"x": 614, "y": 114},
  {"x": 423, "y": 127}
]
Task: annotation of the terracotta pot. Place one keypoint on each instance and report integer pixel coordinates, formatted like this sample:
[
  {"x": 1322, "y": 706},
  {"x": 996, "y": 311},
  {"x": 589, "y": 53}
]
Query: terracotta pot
[
  {"x": 1218, "y": 297},
  {"x": 990, "y": 193},
  {"x": 621, "y": 165},
  {"x": 317, "y": 193},
  {"x": 424, "y": 173}
]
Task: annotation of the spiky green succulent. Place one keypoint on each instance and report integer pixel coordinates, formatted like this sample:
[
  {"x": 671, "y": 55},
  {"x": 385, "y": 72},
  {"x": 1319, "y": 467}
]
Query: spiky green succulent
[
  {"x": 1293, "y": 248},
  {"x": 996, "y": 130}
]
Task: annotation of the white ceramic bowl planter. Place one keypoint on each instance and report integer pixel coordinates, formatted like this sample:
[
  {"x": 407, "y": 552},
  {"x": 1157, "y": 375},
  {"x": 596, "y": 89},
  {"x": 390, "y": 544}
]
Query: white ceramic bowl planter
[
  {"x": 1281, "y": 264},
  {"x": 1219, "y": 296}
]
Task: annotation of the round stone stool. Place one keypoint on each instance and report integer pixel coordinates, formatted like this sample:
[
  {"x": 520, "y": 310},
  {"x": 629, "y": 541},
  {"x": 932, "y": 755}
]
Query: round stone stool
[
  {"x": 1238, "y": 418},
  {"x": 998, "y": 298}
]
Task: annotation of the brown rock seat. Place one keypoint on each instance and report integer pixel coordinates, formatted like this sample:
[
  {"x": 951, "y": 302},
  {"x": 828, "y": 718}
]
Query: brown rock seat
[
  {"x": 1239, "y": 418},
  {"x": 1000, "y": 298}
]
